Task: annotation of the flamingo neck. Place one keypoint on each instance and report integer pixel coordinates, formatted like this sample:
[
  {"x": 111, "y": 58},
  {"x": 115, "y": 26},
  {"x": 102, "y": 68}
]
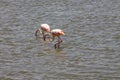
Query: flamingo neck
[{"x": 36, "y": 32}]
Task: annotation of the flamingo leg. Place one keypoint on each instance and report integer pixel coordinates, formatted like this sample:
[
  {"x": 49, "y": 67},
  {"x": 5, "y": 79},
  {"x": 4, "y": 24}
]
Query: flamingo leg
[
  {"x": 57, "y": 45},
  {"x": 59, "y": 41},
  {"x": 44, "y": 36}
]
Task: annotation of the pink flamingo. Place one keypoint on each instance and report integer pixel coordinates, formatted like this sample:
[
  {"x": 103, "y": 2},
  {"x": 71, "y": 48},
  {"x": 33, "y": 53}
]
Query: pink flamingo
[
  {"x": 57, "y": 33},
  {"x": 44, "y": 29}
]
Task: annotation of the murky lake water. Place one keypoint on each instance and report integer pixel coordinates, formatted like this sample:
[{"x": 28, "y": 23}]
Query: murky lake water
[{"x": 90, "y": 48}]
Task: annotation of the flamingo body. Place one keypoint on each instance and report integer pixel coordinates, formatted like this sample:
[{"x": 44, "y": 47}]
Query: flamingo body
[
  {"x": 57, "y": 32},
  {"x": 45, "y": 27}
]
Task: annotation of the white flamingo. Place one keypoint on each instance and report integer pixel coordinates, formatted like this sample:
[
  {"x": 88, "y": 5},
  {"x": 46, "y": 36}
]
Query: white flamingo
[
  {"x": 57, "y": 33},
  {"x": 44, "y": 29}
]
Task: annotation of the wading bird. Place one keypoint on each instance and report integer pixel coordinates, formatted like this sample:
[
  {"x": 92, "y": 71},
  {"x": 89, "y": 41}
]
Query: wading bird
[
  {"x": 44, "y": 29},
  {"x": 57, "y": 33}
]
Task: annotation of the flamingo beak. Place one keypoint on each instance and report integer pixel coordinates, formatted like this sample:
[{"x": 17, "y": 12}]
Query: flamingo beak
[{"x": 63, "y": 33}]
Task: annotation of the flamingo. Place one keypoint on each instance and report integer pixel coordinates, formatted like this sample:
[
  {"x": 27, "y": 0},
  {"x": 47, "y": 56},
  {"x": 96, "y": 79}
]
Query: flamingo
[
  {"x": 44, "y": 29},
  {"x": 57, "y": 33}
]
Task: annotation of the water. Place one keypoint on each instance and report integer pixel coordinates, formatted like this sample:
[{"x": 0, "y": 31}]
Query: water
[{"x": 90, "y": 49}]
